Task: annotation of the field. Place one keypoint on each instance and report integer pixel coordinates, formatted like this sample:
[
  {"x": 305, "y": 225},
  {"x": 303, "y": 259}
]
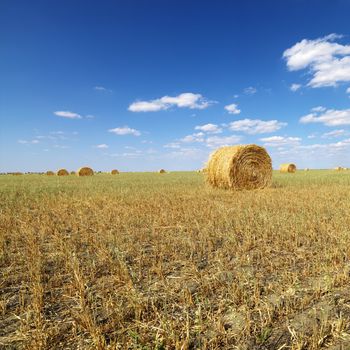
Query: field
[{"x": 161, "y": 261}]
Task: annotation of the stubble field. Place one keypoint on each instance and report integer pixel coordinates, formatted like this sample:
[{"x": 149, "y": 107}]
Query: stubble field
[{"x": 161, "y": 261}]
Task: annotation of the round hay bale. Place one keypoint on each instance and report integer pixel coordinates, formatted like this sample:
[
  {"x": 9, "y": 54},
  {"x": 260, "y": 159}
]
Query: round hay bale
[
  {"x": 306, "y": 169},
  {"x": 239, "y": 167},
  {"x": 17, "y": 173},
  {"x": 115, "y": 172},
  {"x": 338, "y": 168},
  {"x": 85, "y": 171},
  {"x": 62, "y": 172},
  {"x": 288, "y": 168},
  {"x": 50, "y": 173},
  {"x": 161, "y": 171},
  {"x": 72, "y": 173}
]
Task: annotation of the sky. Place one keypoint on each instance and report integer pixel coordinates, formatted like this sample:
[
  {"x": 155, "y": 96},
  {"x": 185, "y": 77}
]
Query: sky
[{"x": 140, "y": 85}]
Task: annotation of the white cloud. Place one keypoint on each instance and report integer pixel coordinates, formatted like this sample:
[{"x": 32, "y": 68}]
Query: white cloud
[
  {"x": 218, "y": 141},
  {"x": 209, "y": 128},
  {"x": 295, "y": 87},
  {"x": 278, "y": 141},
  {"x": 335, "y": 133},
  {"x": 102, "y": 146},
  {"x": 329, "y": 62},
  {"x": 348, "y": 90},
  {"x": 102, "y": 88},
  {"x": 125, "y": 130},
  {"x": 32, "y": 142},
  {"x": 196, "y": 137},
  {"x": 68, "y": 114},
  {"x": 330, "y": 117},
  {"x": 184, "y": 100},
  {"x": 232, "y": 108},
  {"x": 256, "y": 126},
  {"x": 318, "y": 109},
  {"x": 173, "y": 145},
  {"x": 250, "y": 90}
]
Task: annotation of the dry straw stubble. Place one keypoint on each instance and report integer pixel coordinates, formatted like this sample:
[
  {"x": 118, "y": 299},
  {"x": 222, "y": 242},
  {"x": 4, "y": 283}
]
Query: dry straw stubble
[
  {"x": 239, "y": 167},
  {"x": 85, "y": 171},
  {"x": 288, "y": 168}
]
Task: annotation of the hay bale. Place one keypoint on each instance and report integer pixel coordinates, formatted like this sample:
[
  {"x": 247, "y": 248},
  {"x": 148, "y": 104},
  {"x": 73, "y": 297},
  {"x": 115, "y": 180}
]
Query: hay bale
[
  {"x": 50, "y": 173},
  {"x": 72, "y": 173},
  {"x": 115, "y": 172},
  {"x": 62, "y": 172},
  {"x": 161, "y": 171},
  {"x": 338, "y": 168},
  {"x": 288, "y": 168},
  {"x": 85, "y": 171},
  {"x": 17, "y": 173},
  {"x": 239, "y": 167},
  {"x": 306, "y": 169}
]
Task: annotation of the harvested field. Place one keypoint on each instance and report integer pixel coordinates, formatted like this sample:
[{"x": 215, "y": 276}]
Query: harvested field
[{"x": 141, "y": 261}]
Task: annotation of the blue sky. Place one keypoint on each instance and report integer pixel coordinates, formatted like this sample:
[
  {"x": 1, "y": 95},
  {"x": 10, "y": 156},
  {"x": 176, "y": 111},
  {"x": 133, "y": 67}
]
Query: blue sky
[{"x": 142, "y": 84}]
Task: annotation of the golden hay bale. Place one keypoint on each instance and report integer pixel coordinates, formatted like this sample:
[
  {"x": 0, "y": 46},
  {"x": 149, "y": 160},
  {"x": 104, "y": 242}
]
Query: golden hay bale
[
  {"x": 288, "y": 168},
  {"x": 72, "y": 172},
  {"x": 50, "y": 173},
  {"x": 85, "y": 171},
  {"x": 239, "y": 167},
  {"x": 114, "y": 172},
  {"x": 17, "y": 173},
  {"x": 161, "y": 171},
  {"x": 62, "y": 172}
]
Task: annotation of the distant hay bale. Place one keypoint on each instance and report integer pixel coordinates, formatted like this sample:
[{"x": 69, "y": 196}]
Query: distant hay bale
[
  {"x": 306, "y": 169},
  {"x": 50, "y": 173},
  {"x": 115, "y": 172},
  {"x": 72, "y": 172},
  {"x": 288, "y": 168},
  {"x": 338, "y": 168},
  {"x": 17, "y": 173},
  {"x": 62, "y": 172},
  {"x": 239, "y": 167},
  {"x": 161, "y": 171},
  {"x": 85, "y": 171}
]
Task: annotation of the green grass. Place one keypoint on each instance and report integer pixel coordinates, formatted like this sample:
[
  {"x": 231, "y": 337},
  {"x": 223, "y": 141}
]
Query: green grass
[{"x": 161, "y": 261}]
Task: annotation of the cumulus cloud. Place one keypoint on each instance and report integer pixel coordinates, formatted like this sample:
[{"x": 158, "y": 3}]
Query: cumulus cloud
[
  {"x": 328, "y": 61},
  {"x": 232, "y": 108},
  {"x": 218, "y": 141},
  {"x": 196, "y": 137},
  {"x": 68, "y": 114},
  {"x": 31, "y": 142},
  {"x": 210, "y": 141},
  {"x": 209, "y": 128},
  {"x": 102, "y": 88},
  {"x": 295, "y": 87},
  {"x": 184, "y": 100},
  {"x": 173, "y": 145},
  {"x": 125, "y": 130},
  {"x": 251, "y": 90},
  {"x": 256, "y": 126},
  {"x": 335, "y": 134},
  {"x": 278, "y": 141},
  {"x": 102, "y": 146},
  {"x": 330, "y": 117},
  {"x": 348, "y": 90},
  {"x": 318, "y": 109}
]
